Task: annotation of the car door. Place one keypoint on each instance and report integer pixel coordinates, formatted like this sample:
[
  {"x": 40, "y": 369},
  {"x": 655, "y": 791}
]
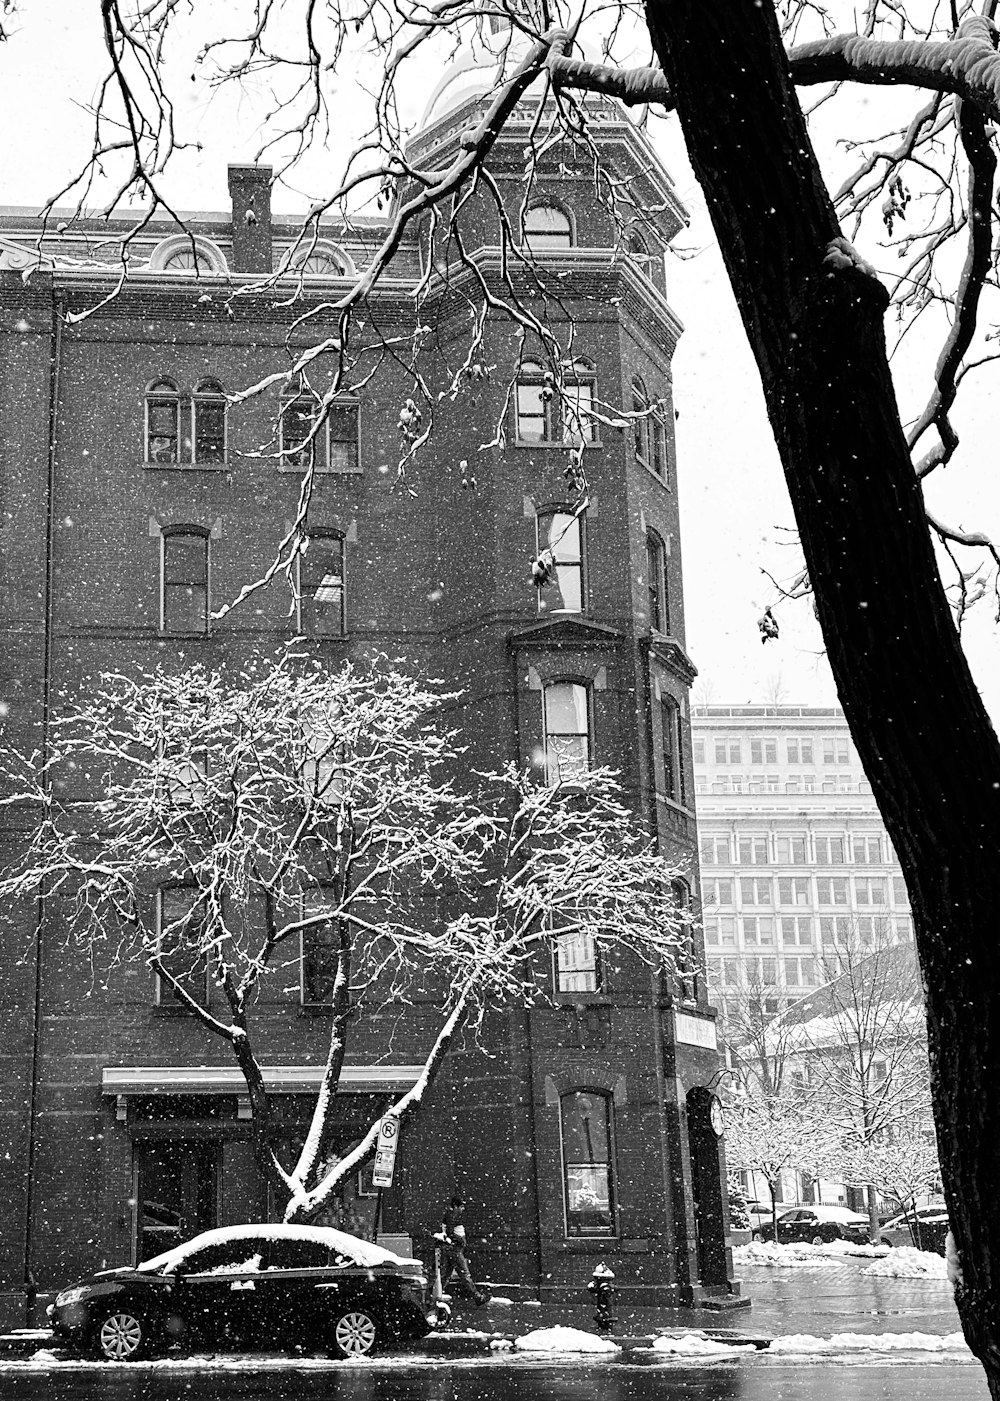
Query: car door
[
  {"x": 216, "y": 1289},
  {"x": 791, "y": 1227},
  {"x": 296, "y": 1290}
]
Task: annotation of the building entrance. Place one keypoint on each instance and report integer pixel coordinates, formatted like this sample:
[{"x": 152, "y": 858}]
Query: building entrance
[
  {"x": 176, "y": 1193},
  {"x": 706, "y": 1187}
]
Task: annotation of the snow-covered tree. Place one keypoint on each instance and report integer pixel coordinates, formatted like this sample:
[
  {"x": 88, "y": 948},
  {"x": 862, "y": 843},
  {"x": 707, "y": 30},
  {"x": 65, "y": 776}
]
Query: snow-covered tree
[
  {"x": 901, "y": 1163},
  {"x": 212, "y": 820},
  {"x": 768, "y": 1132}
]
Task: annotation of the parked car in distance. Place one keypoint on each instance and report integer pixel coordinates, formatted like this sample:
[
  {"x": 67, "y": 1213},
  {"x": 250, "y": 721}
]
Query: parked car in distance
[
  {"x": 761, "y": 1217},
  {"x": 277, "y": 1284},
  {"x": 819, "y": 1225},
  {"x": 930, "y": 1223}
]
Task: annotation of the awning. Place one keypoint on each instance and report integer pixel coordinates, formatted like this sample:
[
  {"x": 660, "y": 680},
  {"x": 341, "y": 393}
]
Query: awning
[{"x": 227, "y": 1079}]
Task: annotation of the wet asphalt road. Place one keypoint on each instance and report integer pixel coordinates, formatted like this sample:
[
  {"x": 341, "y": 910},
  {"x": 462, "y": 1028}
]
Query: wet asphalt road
[{"x": 747, "y": 1380}]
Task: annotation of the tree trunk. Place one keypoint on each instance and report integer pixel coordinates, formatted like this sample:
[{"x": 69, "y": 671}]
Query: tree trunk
[{"x": 814, "y": 319}]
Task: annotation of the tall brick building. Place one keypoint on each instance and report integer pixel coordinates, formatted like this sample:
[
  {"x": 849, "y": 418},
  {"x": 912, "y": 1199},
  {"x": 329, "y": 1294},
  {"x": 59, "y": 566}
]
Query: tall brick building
[{"x": 136, "y": 498}]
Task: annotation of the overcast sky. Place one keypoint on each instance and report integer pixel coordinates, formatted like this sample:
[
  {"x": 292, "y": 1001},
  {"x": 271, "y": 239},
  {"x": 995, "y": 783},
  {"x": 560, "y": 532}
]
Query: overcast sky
[{"x": 736, "y": 519}]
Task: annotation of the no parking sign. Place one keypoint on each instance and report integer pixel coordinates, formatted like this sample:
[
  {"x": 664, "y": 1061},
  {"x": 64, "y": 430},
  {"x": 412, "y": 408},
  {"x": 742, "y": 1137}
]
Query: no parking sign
[{"x": 385, "y": 1153}]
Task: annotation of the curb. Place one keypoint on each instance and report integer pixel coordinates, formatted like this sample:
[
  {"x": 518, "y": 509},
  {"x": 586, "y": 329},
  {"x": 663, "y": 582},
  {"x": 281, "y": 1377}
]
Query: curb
[{"x": 22, "y": 1342}]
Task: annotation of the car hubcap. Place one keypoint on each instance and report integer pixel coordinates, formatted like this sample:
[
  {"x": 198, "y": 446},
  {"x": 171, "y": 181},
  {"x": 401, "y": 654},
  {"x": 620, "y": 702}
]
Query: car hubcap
[
  {"x": 355, "y": 1334},
  {"x": 121, "y": 1335}
]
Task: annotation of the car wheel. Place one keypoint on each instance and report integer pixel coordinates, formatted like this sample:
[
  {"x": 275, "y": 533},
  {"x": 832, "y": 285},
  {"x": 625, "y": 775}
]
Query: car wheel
[
  {"x": 758, "y": 1237},
  {"x": 355, "y": 1334},
  {"x": 122, "y": 1336},
  {"x": 817, "y": 1240}
]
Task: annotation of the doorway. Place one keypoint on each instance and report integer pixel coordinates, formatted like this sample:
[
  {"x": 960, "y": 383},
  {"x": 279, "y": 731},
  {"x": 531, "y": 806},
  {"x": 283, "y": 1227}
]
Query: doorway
[
  {"x": 176, "y": 1191},
  {"x": 706, "y": 1188}
]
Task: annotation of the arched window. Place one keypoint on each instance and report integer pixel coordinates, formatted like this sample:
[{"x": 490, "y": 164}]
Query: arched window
[
  {"x": 547, "y": 227},
  {"x": 587, "y": 1140},
  {"x": 688, "y": 964},
  {"x": 566, "y": 717},
  {"x": 163, "y": 421},
  {"x": 184, "y": 591},
  {"x": 674, "y": 769},
  {"x": 640, "y": 423},
  {"x": 639, "y": 253},
  {"x": 180, "y": 944},
  {"x": 298, "y": 415},
  {"x": 321, "y": 585},
  {"x": 184, "y": 429},
  {"x": 182, "y": 253},
  {"x": 562, "y": 534},
  {"x": 187, "y": 260},
  {"x": 546, "y": 415},
  {"x": 576, "y": 962},
  {"x": 656, "y": 583},
  {"x": 208, "y": 422}
]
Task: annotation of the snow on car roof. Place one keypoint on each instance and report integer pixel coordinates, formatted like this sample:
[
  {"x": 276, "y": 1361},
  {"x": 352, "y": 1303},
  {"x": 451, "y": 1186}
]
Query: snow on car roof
[{"x": 363, "y": 1252}]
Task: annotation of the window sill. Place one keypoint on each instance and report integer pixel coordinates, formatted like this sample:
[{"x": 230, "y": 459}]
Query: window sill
[
  {"x": 663, "y": 481},
  {"x": 187, "y": 466},
  {"x": 290, "y": 469},
  {"x": 555, "y": 443},
  {"x": 674, "y": 806},
  {"x": 585, "y": 999}
]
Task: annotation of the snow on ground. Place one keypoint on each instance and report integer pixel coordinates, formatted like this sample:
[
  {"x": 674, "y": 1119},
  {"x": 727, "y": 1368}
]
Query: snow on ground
[
  {"x": 809, "y": 1345},
  {"x": 781, "y": 1256},
  {"x": 561, "y": 1339},
  {"x": 691, "y": 1345},
  {"x": 905, "y": 1262}
]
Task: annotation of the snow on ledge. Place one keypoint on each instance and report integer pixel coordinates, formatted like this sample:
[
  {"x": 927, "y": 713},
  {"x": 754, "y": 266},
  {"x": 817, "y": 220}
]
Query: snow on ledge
[{"x": 560, "y": 1339}]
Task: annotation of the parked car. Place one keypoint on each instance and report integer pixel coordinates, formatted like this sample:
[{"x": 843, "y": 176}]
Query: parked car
[
  {"x": 275, "y": 1284},
  {"x": 820, "y": 1224},
  {"x": 933, "y": 1227},
  {"x": 761, "y": 1216}
]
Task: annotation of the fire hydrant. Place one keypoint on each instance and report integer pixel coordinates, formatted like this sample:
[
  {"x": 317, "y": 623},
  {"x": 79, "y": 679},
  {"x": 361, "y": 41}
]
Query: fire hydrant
[{"x": 603, "y": 1290}]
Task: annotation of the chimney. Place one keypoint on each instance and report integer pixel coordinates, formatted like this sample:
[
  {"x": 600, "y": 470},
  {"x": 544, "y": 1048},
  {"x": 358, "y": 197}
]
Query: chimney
[{"x": 250, "y": 188}]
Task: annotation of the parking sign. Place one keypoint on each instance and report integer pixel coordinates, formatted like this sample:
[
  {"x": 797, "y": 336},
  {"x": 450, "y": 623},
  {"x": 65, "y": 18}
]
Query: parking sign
[{"x": 385, "y": 1153}]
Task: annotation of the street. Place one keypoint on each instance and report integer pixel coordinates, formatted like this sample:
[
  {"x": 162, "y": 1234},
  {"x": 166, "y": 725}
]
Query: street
[{"x": 477, "y": 1380}]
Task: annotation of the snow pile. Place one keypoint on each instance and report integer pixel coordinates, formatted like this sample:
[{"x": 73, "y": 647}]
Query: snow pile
[
  {"x": 694, "y": 1345},
  {"x": 780, "y": 1256},
  {"x": 807, "y": 1344},
  {"x": 905, "y": 1262},
  {"x": 561, "y": 1339}
]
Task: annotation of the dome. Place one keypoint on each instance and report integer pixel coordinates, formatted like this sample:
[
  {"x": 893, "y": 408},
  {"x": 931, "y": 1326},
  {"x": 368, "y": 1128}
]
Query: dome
[{"x": 491, "y": 53}]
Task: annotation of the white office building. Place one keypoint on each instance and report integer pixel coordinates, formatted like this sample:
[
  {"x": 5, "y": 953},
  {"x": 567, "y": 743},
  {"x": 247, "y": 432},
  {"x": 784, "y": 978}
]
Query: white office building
[{"x": 794, "y": 856}]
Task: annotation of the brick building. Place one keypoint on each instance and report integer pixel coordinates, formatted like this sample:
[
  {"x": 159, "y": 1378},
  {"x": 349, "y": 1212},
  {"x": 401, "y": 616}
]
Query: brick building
[{"x": 136, "y": 498}]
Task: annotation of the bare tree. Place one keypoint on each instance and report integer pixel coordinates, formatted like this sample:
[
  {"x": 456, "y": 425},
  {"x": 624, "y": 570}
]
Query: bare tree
[
  {"x": 773, "y": 1101},
  {"x": 204, "y": 820},
  {"x": 813, "y": 309},
  {"x": 863, "y": 1036}
]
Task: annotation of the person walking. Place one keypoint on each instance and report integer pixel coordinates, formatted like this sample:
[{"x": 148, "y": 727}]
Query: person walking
[{"x": 451, "y": 1243}]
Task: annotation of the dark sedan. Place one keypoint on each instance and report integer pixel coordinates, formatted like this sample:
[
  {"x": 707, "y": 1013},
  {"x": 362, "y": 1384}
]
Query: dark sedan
[
  {"x": 818, "y": 1225},
  {"x": 251, "y": 1285}
]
